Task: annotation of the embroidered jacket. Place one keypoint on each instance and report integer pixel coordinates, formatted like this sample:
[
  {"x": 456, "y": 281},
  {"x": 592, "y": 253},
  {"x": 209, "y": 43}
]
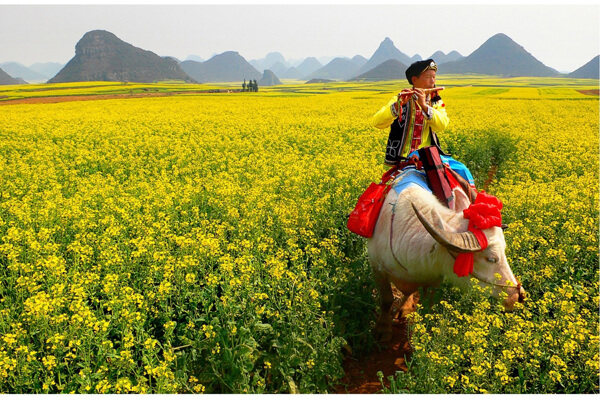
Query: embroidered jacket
[{"x": 410, "y": 127}]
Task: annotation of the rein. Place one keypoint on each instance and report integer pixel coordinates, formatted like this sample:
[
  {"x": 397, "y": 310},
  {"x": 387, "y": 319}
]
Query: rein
[{"x": 518, "y": 287}]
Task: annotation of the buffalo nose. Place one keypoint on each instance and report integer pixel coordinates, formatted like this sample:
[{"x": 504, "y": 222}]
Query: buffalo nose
[{"x": 522, "y": 294}]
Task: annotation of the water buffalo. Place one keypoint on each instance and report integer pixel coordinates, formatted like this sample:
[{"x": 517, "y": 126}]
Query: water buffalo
[{"x": 416, "y": 241}]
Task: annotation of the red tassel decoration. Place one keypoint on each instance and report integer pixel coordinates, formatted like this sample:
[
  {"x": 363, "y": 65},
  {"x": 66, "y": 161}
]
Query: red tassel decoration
[{"x": 482, "y": 214}]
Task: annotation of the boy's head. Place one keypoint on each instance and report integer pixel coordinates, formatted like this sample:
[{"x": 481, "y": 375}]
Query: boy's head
[{"x": 421, "y": 74}]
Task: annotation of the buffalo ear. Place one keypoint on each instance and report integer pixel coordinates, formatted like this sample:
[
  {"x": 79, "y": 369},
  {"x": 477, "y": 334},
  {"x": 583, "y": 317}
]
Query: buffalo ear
[{"x": 504, "y": 227}]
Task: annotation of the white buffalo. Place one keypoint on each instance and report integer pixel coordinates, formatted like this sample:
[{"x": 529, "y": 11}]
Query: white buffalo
[{"x": 416, "y": 241}]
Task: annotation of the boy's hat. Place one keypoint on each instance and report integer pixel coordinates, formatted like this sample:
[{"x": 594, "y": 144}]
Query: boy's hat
[{"x": 417, "y": 68}]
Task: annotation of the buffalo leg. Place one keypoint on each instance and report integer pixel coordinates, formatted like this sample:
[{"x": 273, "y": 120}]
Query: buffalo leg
[
  {"x": 383, "y": 327},
  {"x": 409, "y": 290}
]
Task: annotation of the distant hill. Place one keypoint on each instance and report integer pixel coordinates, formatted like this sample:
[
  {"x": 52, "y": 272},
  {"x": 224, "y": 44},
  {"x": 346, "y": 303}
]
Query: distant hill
[
  {"x": 101, "y": 56},
  {"x": 291, "y": 73},
  {"x": 415, "y": 58},
  {"x": 589, "y": 70},
  {"x": 20, "y": 71},
  {"x": 193, "y": 57},
  {"x": 359, "y": 60},
  {"x": 499, "y": 55},
  {"x": 388, "y": 70},
  {"x": 274, "y": 57},
  {"x": 294, "y": 62},
  {"x": 384, "y": 52},
  {"x": 308, "y": 66},
  {"x": 269, "y": 61},
  {"x": 268, "y": 79},
  {"x": 324, "y": 60},
  {"x": 6, "y": 79},
  {"x": 339, "y": 68},
  {"x": 440, "y": 58},
  {"x": 256, "y": 64},
  {"x": 225, "y": 67},
  {"x": 278, "y": 68},
  {"x": 47, "y": 69}
]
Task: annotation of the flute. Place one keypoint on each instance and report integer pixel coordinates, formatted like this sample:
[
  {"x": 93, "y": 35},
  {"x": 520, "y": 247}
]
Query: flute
[{"x": 426, "y": 91}]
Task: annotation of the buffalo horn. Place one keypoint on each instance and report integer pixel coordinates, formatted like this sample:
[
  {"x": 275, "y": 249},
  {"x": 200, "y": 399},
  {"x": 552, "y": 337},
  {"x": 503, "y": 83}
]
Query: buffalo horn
[{"x": 460, "y": 242}]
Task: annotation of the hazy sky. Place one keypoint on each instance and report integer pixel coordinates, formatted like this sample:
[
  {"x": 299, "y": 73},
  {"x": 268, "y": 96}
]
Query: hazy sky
[{"x": 561, "y": 36}]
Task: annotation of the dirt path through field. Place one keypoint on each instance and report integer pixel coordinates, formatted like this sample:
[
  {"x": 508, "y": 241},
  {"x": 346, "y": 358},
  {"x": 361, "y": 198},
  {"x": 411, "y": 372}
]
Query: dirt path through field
[
  {"x": 361, "y": 373},
  {"x": 491, "y": 175},
  {"x": 61, "y": 99},
  {"x": 590, "y": 92}
]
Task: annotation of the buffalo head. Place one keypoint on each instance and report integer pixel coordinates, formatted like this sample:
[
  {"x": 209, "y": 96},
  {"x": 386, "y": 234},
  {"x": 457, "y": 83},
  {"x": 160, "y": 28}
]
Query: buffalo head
[{"x": 488, "y": 263}]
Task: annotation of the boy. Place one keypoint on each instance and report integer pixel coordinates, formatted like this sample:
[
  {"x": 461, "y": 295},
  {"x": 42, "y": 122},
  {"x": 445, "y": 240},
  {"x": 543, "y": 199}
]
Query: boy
[{"x": 414, "y": 116}]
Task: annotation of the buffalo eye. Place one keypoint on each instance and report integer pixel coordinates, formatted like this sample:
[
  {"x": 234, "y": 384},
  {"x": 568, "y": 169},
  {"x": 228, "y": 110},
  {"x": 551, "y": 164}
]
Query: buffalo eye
[{"x": 492, "y": 259}]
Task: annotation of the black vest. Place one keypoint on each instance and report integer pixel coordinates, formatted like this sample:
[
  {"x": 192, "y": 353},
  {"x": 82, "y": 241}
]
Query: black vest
[{"x": 397, "y": 138}]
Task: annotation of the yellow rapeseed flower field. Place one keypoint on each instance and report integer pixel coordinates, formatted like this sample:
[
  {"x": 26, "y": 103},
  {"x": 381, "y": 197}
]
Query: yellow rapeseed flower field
[{"x": 196, "y": 243}]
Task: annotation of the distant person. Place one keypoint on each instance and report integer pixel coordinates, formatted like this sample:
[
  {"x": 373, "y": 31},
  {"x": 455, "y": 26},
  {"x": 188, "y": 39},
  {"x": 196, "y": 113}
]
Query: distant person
[{"x": 414, "y": 117}]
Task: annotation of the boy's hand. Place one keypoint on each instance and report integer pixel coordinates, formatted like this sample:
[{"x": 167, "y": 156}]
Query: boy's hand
[
  {"x": 421, "y": 99},
  {"x": 404, "y": 96}
]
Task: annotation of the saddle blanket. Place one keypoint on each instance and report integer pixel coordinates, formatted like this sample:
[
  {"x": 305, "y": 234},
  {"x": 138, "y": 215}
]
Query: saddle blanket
[{"x": 409, "y": 177}]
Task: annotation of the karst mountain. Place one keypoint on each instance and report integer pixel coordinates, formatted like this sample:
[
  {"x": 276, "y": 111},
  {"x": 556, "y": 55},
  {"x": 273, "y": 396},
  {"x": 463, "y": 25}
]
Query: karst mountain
[
  {"x": 590, "y": 70},
  {"x": 6, "y": 79},
  {"x": 102, "y": 56},
  {"x": 499, "y": 55}
]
